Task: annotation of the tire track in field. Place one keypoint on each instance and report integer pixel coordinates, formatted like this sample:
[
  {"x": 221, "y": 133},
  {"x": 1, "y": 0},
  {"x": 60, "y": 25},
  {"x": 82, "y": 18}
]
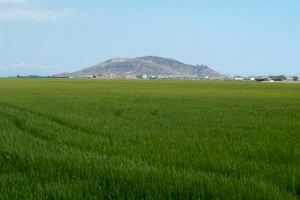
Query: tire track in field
[
  {"x": 20, "y": 125},
  {"x": 51, "y": 118}
]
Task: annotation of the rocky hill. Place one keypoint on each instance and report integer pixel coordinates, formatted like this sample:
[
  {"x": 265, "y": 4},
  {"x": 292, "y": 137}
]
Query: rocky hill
[{"x": 150, "y": 66}]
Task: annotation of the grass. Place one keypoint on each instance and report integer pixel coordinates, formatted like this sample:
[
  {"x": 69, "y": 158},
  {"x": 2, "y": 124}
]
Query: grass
[{"x": 126, "y": 139}]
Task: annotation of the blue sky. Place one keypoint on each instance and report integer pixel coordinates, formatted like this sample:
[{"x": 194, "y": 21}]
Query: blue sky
[{"x": 234, "y": 37}]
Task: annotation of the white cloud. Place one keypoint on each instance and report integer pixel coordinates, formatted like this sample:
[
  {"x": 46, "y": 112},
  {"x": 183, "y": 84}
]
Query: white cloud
[
  {"x": 24, "y": 10},
  {"x": 36, "y": 15},
  {"x": 13, "y": 1}
]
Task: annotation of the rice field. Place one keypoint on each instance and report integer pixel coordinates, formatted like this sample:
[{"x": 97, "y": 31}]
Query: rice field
[{"x": 134, "y": 139}]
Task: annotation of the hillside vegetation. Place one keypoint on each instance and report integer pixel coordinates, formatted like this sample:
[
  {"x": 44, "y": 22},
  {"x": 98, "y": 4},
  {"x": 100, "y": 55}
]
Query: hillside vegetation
[{"x": 134, "y": 139}]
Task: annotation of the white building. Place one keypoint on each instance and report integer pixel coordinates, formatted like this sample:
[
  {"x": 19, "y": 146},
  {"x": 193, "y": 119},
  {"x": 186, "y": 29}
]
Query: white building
[
  {"x": 144, "y": 76},
  {"x": 239, "y": 78}
]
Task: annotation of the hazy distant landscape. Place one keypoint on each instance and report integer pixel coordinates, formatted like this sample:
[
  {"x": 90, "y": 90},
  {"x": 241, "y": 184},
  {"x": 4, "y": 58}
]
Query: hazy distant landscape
[{"x": 154, "y": 67}]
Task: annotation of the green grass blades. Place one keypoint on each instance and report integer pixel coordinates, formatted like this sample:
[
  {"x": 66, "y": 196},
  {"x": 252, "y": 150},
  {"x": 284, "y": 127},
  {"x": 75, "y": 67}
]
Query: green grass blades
[{"x": 133, "y": 139}]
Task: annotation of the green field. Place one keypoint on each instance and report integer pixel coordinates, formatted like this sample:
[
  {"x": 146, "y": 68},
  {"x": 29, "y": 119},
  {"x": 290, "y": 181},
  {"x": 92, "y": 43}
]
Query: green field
[{"x": 126, "y": 139}]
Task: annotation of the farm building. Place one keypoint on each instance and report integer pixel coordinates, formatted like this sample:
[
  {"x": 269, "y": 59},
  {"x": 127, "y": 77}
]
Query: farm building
[{"x": 239, "y": 78}]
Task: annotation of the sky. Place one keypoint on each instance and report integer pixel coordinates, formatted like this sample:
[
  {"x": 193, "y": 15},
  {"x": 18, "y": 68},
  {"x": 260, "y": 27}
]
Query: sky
[{"x": 250, "y": 37}]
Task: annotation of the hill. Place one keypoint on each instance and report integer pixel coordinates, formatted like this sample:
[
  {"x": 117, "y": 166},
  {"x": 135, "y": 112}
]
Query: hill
[{"x": 151, "y": 66}]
